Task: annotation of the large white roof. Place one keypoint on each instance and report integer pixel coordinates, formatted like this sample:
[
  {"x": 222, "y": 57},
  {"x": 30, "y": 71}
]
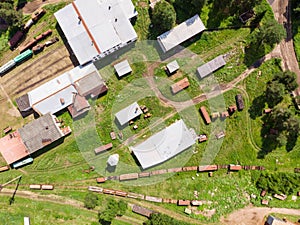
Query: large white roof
[
  {"x": 180, "y": 33},
  {"x": 104, "y": 25},
  {"x": 129, "y": 113},
  {"x": 47, "y": 97},
  {"x": 164, "y": 145},
  {"x": 211, "y": 66}
]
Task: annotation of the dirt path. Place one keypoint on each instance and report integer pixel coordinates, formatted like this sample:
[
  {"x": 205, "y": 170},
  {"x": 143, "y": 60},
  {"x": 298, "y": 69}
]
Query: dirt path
[
  {"x": 255, "y": 215},
  {"x": 30, "y": 7}
]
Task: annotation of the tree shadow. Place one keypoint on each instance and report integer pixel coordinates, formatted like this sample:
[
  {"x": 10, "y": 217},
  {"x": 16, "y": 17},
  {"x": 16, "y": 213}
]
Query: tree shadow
[
  {"x": 253, "y": 53},
  {"x": 257, "y": 106},
  {"x": 269, "y": 139}
]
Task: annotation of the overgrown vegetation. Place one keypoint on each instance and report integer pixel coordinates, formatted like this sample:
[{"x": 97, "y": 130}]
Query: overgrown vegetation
[
  {"x": 90, "y": 200},
  {"x": 277, "y": 183},
  {"x": 9, "y": 14},
  {"x": 163, "y": 16},
  {"x": 114, "y": 208},
  {"x": 162, "y": 219}
]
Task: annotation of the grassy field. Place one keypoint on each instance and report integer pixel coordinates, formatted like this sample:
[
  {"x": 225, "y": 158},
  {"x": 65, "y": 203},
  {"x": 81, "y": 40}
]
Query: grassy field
[{"x": 63, "y": 165}]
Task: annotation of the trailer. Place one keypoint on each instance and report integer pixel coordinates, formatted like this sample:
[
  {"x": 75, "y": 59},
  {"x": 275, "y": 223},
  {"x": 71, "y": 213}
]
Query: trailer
[
  {"x": 47, "y": 187},
  {"x": 15, "y": 39},
  {"x": 35, "y": 187},
  {"x": 7, "y": 66},
  {"x": 28, "y": 53},
  {"x": 22, "y": 163}
]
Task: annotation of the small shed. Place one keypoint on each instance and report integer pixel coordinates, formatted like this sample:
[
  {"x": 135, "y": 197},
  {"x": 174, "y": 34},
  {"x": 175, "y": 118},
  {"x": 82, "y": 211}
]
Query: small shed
[
  {"x": 264, "y": 202},
  {"x": 100, "y": 179},
  {"x": 142, "y": 211},
  {"x": 129, "y": 113},
  {"x": 113, "y": 160},
  {"x": 224, "y": 114},
  {"x": 232, "y": 109},
  {"x": 188, "y": 211},
  {"x": 122, "y": 68},
  {"x": 239, "y": 102},
  {"x": 220, "y": 135},
  {"x": 180, "y": 85},
  {"x": 202, "y": 138},
  {"x": 112, "y": 135},
  {"x": 205, "y": 115},
  {"x": 215, "y": 115},
  {"x": 172, "y": 67}
]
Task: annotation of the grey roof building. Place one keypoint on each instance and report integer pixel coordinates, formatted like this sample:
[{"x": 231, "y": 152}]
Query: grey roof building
[
  {"x": 164, "y": 145},
  {"x": 95, "y": 28},
  {"x": 122, "y": 68},
  {"x": 211, "y": 66},
  {"x": 172, "y": 67},
  {"x": 180, "y": 33},
  {"x": 40, "y": 132},
  {"x": 129, "y": 113}
]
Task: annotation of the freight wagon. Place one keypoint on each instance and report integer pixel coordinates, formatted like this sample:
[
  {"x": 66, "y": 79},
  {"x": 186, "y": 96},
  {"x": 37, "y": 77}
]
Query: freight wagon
[
  {"x": 7, "y": 66},
  {"x": 15, "y": 39},
  {"x": 35, "y": 186},
  {"x": 47, "y": 187},
  {"x": 23, "y": 56}
]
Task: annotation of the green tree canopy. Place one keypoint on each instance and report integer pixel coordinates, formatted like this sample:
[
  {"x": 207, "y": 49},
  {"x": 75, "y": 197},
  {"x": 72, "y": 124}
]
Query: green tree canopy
[
  {"x": 163, "y": 16},
  {"x": 270, "y": 33},
  {"x": 9, "y": 14},
  {"x": 288, "y": 78},
  {"x": 90, "y": 200},
  {"x": 113, "y": 209},
  {"x": 275, "y": 92}
]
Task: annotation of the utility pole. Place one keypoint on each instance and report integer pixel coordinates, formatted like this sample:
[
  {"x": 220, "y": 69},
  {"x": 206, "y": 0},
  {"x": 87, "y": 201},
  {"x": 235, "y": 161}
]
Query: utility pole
[{"x": 12, "y": 199}]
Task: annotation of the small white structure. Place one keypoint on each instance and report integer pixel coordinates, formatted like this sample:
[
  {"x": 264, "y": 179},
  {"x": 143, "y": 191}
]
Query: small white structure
[
  {"x": 113, "y": 160},
  {"x": 26, "y": 220},
  {"x": 211, "y": 66},
  {"x": 172, "y": 67},
  {"x": 180, "y": 33},
  {"x": 129, "y": 113},
  {"x": 122, "y": 68},
  {"x": 164, "y": 145}
]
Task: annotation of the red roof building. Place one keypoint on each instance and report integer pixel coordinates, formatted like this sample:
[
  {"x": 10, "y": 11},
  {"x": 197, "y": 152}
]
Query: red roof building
[{"x": 180, "y": 85}]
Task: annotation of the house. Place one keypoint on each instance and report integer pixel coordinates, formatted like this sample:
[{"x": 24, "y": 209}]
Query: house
[
  {"x": 164, "y": 145},
  {"x": 180, "y": 33},
  {"x": 172, "y": 67},
  {"x": 122, "y": 68},
  {"x": 31, "y": 138},
  {"x": 211, "y": 66},
  {"x": 205, "y": 115},
  {"x": 239, "y": 102},
  {"x": 180, "y": 85},
  {"x": 95, "y": 29},
  {"x": 129, "y": 113},
  {"x": 58, "y": 93}
]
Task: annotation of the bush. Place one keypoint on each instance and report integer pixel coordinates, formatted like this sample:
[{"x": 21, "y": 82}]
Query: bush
[{"x": 90, "y": 200}]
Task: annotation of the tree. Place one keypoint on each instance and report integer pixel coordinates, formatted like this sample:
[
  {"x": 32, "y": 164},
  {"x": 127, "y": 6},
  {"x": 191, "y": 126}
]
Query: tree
[
  {"x": 275, "y": 92},
  {"x": 270, "y": 33},
  {"x": 90, "y": 200},
  {"x": 163, "y": 16},
  {"x": 8, "y": 13},
  {"x": 288, "y": 78},
  {"x": 113, "y": 209}
]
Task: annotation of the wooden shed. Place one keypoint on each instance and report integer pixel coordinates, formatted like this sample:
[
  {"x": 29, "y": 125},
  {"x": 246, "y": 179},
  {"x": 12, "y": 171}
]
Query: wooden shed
[
  {"x": 205, "y": 115},
  {"x": 180, "y": 85}
]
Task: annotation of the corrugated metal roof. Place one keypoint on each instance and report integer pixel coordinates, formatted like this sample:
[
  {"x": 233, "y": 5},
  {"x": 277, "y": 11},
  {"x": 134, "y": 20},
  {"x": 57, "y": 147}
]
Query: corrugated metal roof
[
  {"x": 123, "y": 68},
  {"x": 211, "y": 66},
  {"x": 40, "y": 132},
  {"x": 180, "y": 33},
  {"x": 129, "y": 113},
  {"x": 103, "y": 24},
  {"x": 164, "y": 145}
]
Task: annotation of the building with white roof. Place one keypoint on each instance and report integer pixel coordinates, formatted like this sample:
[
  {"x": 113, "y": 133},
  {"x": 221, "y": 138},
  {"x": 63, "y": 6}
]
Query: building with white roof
[
  {"x": 180, "y": 33},
  {"x": 129, "y": 113},
  {"x": 172, "y": 67},
  {"x": 122, "y": 68},
  {"x": 57, "y": 94},
  {"x": 96, "y": 28},
  {"x": 211, "y": 66},
  {"x": 164, "y": 145}
]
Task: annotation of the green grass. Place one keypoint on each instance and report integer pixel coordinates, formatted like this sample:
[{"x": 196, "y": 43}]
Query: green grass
[{"x": 42, "y": 213}]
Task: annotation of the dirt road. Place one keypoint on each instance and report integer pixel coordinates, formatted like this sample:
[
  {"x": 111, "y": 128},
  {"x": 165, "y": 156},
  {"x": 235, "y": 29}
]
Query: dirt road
[
  {"x": 255, "y": 215},
  {"x": 30, "y": 7}
]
